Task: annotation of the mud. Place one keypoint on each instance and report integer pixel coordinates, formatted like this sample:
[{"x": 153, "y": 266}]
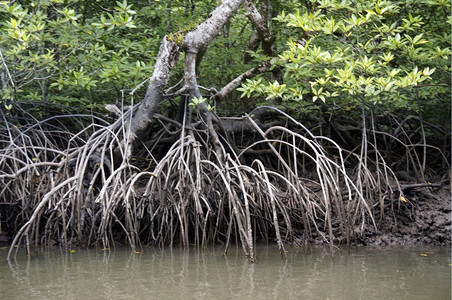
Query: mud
[{"x": 425, "y": 219}]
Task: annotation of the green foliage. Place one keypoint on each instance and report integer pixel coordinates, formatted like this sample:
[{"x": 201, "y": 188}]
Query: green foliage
[
  {"x": 251, "y": 86},
  {"x": 176, "y": 38},
  {"x": 195, "y": 102},
  {"x": 83, "y": 53},
  {"x": 54, "y": 52},
  {"x": 390, "y": 53}
]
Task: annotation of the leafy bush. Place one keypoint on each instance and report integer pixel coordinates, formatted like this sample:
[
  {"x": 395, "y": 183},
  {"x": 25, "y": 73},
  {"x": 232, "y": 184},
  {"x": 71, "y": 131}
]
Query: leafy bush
[{"x": 391, "y": 54}]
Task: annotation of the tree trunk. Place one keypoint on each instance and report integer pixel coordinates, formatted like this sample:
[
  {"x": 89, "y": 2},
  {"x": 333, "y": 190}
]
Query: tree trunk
[
  {"x": 166, "y": 60},
  {"x": 194, "y": 44}
]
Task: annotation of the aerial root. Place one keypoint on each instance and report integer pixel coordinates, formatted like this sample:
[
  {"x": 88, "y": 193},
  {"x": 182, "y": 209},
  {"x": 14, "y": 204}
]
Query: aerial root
[{"x": 78, "y": 193}]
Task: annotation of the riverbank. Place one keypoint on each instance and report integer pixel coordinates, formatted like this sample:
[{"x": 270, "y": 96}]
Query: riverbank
[{"x": 425, "y": 219}]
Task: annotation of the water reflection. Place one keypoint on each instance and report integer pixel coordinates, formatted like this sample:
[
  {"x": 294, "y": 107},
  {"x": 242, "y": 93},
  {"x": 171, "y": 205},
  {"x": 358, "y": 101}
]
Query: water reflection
[{"x": 390, "y": 273}]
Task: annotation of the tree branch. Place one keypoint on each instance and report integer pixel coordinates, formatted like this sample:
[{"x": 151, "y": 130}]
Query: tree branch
[
  {"x": 261, "y": 26},
  {"x": 261, "y": 68},
  {"x": 201, "y": 37}
]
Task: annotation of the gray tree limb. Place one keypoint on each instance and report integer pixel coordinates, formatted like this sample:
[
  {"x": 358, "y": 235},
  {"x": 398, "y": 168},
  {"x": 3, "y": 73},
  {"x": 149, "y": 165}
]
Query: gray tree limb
[
  {"x": 166, "y": 60},
  {"x": 261, "y": 25}
]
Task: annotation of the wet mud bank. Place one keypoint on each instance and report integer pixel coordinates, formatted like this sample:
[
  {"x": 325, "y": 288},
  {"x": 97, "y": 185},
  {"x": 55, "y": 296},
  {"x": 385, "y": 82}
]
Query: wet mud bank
[{"x": 425, "y": 219}]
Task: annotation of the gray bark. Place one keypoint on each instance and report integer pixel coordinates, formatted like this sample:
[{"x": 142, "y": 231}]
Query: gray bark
[
  {"x": 166, "y": 60},
  {"x": 203, "y": 35},
  {"x": 261, "y": 25}
]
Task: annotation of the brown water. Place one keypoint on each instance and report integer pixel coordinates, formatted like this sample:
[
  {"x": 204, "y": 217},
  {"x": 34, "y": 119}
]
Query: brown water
[{"x": 365, "y": 273}]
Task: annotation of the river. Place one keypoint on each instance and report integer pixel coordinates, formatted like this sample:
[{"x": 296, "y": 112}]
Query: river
[{"x": 364, "y": 273}]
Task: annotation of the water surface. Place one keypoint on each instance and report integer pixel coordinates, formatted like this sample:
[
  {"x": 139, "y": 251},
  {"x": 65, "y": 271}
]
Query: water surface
[{"x": 364, "y": 273}]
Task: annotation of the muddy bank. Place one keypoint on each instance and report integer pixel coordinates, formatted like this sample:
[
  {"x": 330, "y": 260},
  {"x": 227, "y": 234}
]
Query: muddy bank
[{"x": 425, "y": 219}]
